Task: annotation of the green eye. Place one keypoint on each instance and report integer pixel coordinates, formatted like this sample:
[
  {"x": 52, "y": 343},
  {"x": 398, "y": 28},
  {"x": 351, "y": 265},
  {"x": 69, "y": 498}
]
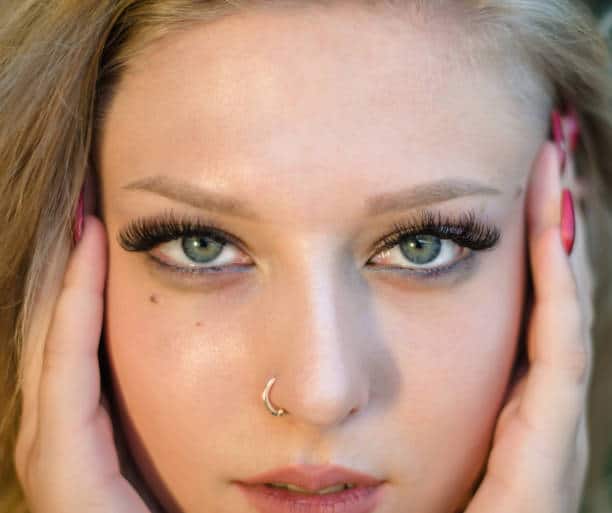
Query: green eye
[
  {"x": 421, "y": 249},
  {"x": 202, "y": 249}
]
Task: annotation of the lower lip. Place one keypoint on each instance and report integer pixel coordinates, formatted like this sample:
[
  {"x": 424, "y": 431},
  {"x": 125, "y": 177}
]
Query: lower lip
[{"x": 276, "y": 500}]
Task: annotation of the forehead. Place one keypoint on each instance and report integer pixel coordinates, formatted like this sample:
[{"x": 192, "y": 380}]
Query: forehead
[{"x": 326, "y": 97}]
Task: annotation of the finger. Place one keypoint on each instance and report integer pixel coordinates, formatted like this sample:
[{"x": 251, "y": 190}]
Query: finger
[
  {"x": 532, "y": 466},
  {"x": 559, "y": 352},
  {"x": 30, "y": 365},
  {"x": 580, "y": 258},
  {"x": 29, "y": 384},
  {"x": 69, "y": 392}
]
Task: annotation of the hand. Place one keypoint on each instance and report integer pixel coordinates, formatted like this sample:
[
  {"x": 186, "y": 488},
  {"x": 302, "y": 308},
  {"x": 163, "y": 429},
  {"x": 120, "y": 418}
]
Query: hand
[
  {"x": 540, "y": 448},
  {"x": 65, "y": 456}
]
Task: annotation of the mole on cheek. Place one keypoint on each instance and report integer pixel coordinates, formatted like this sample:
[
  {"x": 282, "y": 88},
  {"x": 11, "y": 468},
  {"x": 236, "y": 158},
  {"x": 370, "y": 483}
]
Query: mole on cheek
[
  {"x": 198, "y": 324},
  {"x": 154, "y": 299}
]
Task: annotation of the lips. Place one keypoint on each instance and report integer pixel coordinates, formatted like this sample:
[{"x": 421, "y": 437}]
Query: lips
[
  {"x": 318, "y": 494},
  {"x": 314, "y": 477}
]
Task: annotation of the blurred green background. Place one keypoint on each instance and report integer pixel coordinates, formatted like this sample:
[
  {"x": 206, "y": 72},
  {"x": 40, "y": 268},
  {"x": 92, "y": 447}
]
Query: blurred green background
[
  {"x": 600, "y": 5},
  {"x": 601, "y": 502}
]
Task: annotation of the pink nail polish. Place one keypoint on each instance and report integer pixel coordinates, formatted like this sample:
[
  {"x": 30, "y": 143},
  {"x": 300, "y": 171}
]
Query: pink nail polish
[
  {"x": 559, "y": 135},
  {"x": 79, "y": 218},
  {"x": 568, "y": 221}
]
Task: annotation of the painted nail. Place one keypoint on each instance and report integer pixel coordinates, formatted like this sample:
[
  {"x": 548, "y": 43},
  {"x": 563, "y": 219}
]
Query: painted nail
[
  {"x": 559, "y": 135},
  {"x": 568, "y": 221},
  {"x": 79, "y": 218}
]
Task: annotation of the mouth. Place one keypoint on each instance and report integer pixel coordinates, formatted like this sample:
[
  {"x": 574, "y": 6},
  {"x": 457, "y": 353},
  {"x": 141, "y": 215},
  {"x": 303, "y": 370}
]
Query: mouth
[
  {"x": 316, "y": 489},
  {"x": 267, "y": 498},
  {"x": 321, "y": 491}
]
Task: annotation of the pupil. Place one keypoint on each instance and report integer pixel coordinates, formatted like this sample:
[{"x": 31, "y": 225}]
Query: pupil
[
  {"x": 421, "y": 249},
  {"x": 202, "y": 249}
]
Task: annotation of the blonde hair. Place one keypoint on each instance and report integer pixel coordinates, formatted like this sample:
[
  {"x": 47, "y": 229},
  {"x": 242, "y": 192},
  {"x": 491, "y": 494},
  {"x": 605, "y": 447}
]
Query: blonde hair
[{"x": 60, "y": 62}]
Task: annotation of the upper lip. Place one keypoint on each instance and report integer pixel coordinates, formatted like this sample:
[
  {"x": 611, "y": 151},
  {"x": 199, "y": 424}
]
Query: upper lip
[{"x": 314, "y": 477}]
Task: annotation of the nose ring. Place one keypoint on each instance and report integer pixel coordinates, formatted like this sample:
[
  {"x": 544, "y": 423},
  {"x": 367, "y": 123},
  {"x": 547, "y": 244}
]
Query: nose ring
[{"x": 266, "y": 398}]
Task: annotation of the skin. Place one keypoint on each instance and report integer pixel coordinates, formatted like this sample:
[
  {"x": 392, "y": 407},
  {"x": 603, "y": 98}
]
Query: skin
[{"x": 399, "y": 377}]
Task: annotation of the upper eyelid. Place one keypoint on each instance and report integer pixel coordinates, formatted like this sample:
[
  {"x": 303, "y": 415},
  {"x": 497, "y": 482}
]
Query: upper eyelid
[
  {"x": 127, "y": 235},
  {"x": 461, "y": 230}
]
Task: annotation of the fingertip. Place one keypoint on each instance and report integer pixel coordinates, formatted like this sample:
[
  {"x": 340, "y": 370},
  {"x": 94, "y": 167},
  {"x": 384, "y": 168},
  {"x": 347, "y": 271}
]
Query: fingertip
[
  {"x": 97, "y": 228},
  {"x": 544, "y": 193},
  {"x": 553, "y": 276},
  {"x": 87, "y": 265}
]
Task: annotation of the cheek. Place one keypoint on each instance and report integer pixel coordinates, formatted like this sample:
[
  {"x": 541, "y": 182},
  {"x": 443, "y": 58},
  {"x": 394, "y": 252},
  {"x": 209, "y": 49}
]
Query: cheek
[
  {"x": 456, "y": 359},
  {"x": 171, "y": 366}
]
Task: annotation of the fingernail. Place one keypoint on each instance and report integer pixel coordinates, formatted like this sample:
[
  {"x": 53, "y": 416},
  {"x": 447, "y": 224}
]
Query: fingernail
[
  {"x": 568, "y": 221},
  {"x": 557, "y": 129},
  {"x": 79, "y": 218}
]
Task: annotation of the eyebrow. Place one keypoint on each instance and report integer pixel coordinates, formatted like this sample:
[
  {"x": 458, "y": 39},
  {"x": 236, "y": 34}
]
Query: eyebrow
[
  {"x": 404, "y": 199},
  {"x": 427, "y": 193}
]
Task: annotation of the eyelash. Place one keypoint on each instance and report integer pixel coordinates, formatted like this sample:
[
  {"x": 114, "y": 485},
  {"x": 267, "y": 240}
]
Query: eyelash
[{"x": 144, "y": 234}]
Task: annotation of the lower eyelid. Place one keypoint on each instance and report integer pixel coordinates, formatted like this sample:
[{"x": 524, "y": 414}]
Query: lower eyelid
[
  {"x": 466, "y": 264},
  {"x": 460, "y": 271},
  {"x": 206, "y": 283},
  {"x": 195, "y": 270}
]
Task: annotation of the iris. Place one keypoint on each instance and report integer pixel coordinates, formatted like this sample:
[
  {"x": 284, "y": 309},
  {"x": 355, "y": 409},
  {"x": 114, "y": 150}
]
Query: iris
[
  {"x": 202, "y": 249},
  {"x": 421, "y": 249}
]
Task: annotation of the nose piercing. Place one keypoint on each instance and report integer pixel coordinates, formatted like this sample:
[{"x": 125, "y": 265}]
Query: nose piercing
[{"x": 266, "y": 398}]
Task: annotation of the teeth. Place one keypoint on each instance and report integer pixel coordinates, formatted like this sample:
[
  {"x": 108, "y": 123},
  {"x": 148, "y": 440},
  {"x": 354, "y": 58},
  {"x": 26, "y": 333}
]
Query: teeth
[{"x": 323, "y": 491}]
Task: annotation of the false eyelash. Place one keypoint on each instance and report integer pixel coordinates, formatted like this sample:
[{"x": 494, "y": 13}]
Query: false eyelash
[
  {"x": 144, "y": 234},
  {"x": 463, "y": 229}
]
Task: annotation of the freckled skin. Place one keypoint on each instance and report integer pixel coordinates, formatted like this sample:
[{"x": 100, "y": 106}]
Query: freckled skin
[{"x": 305, "y": 118}]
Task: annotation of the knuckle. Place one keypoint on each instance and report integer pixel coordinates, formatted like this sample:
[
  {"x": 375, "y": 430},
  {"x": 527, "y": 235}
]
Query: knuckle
[
  {"x": 571, "y": 350},
  {"x": 577, "y": 363},
  {"x": 570, "y": 311},
  {"x": 564, "y": 295},
  {"x": 52, "y": 360},
  {"x": 569, "y": 286},
  {"x": 63, "y": 305},
  {"x": 573, "y": 347}
]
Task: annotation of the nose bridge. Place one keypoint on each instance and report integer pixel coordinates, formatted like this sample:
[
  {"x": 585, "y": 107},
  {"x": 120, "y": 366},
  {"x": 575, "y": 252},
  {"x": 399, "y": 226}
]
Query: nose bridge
[{"x": 322, "y": 377}]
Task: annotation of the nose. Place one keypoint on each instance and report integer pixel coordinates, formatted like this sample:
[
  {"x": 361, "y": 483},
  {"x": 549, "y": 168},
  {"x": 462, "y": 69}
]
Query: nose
[{"x": 323, "y": 371}]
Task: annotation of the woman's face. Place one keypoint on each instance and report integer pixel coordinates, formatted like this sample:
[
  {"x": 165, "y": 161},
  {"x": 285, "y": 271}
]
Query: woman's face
[{"x": 306, "y": 135}]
